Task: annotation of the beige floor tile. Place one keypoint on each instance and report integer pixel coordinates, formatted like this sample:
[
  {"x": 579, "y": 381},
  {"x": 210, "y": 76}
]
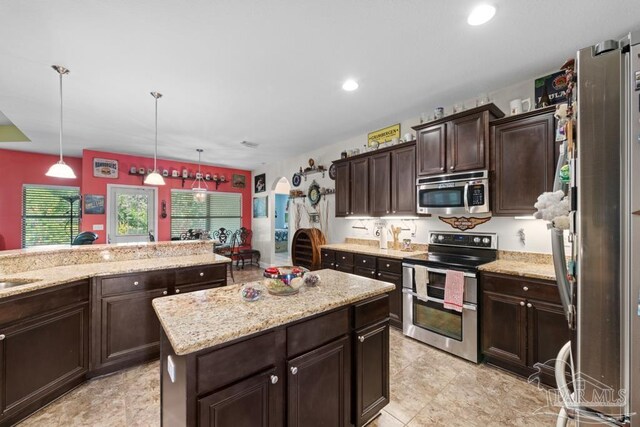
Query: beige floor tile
[{"x": 385, "y": 420}]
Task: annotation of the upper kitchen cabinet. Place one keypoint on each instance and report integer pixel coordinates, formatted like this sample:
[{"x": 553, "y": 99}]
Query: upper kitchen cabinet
[
  {"x": 359, "y": 200},
  {"x": 455, "y": 143},
  {"x": 403, "y": 181},
  {"x": 343, "y": 189},
  {"x": 523, "y": 160},
  {"x": 380, "y": 183}
]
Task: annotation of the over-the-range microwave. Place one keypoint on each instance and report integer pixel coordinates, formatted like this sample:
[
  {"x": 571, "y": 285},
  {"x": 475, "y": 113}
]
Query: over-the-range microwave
[{"x": 454, "y": 194}]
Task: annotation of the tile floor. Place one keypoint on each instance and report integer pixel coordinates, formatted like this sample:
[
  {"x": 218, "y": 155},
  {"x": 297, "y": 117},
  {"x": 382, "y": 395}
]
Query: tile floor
[{"x": 428, "y": 388}]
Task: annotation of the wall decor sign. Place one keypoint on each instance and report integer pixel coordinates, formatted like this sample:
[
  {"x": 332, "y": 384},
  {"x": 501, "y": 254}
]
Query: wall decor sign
[
  {"x": 555, "y": 86},
  {"x": 464, "y": 223},
  {"x": 93, "y": 204},
  {"x": 382, "y": 136},
  {"x": 260, "y": 207},
  {"x": 238, "y": 181},
  {"x": 105, "y": 168},
  {"x": 260, "y": 183}
]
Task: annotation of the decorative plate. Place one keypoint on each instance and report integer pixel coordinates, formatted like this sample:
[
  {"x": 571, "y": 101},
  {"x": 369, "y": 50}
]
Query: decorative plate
[
  {"x": 296, "y": 179},
  {"x": 314, "y": 193},
  {"x": 332, "y": 171}
]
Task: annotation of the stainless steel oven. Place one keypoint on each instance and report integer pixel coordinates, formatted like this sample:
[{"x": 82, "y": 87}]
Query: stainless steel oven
[
  {"x": 423, "y": 288},
  {"x": 453, "y": 194}
]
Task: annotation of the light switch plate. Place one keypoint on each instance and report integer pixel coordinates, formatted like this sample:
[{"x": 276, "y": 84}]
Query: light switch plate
[{"x": 98, "y": 227}]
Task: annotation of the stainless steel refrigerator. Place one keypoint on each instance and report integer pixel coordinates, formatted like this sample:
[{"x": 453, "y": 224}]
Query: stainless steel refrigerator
[{"x": 602, "y": 304}]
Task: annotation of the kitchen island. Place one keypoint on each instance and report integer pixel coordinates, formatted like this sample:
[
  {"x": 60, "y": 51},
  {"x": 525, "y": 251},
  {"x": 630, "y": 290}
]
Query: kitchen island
[{"x": 318, "y": 358}]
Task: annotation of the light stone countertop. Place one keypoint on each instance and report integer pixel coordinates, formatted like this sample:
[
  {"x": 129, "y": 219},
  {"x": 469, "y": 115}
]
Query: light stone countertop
[
  {"x": 203, "y": 319},
  {"x": 371, "y": 250},
  {"x": 534, "y": 270},
  {"x": 48, "y": 277}
]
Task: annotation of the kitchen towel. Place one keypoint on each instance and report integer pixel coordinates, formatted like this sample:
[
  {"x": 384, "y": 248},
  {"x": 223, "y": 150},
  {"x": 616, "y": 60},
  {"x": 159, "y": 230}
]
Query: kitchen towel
[
  {"x": 422, "y": 280},
  {"x": 454, "y": 290}
]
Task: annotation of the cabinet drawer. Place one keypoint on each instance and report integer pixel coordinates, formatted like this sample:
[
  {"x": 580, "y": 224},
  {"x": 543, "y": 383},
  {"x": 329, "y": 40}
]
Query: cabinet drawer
[
  {"x": 365, "y": 272},
  {"x": 521, "y": 287},
  {"x": 313, "y": 333},
  {"x": 370, "y": 311},
  {"x": 327, "y": 256},
  {"x": 201, "y": 274},
  {"x": 135, "y": 282},
  {"x": 236, "y": 362},
  {"x": 390, "y": 265},
  {"x": 367, "y": 261},
  {"x": 344, "y": 258}
]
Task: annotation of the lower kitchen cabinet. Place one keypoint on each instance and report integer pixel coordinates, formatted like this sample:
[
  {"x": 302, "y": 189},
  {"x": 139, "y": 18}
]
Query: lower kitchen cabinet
[
  {"x": 523, "y": 324},
  {"x": 318, "y": 390},
  {"x": 371, "y": 353},
  {"x": 44, "y": 347},
  {"x": 395, "y": 297}
]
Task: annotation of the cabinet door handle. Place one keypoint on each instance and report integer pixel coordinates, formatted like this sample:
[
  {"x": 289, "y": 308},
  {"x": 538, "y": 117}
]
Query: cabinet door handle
[
  {"x": 442, "y": 168},
  {"x": 364, "y": 261},
  {"x": 135, "y": 283},
  {"x": 331, "y": 264},
  {"x": 177, "y": 291},
  {"x": 344, "y": 258},
  {"x": 394, "y": 211},
  {"x": 201, "y": 274},
  {"x": 373, "y": 273},
  {"x": 388, "y": 266},
  {"x": 529, "y": 305},
  {"x": 337, "y": 265},
  {"x": 525, "y": 288},
  {"x": 522, "y": 303},
  {"x": 274, "y": 379},
  {"x": 2, "y": 337},
  {"x": 452, "y": 167},
  {"x": 387, "y": 211},
  {"x": 164, "y": 292},
  {"x": 361, "y": 338},
  {"x": 379, "y": 274},
  {"x": 294, "y": 370}
]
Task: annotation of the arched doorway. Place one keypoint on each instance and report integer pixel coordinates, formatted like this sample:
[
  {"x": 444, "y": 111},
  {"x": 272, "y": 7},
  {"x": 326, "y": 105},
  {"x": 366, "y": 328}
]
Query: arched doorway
[{"x": 280, "y": 223}]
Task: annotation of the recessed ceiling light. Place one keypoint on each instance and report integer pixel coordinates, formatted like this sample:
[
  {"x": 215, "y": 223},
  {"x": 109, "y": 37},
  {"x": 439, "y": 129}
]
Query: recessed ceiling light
[
  {"x": 481, "y": 14},
  {"x": 350, "y": 85}
]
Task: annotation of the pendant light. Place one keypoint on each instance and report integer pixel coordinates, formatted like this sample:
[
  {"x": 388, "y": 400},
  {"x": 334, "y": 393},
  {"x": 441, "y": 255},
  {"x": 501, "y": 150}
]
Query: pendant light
[
  {"x": 154, "y": 178},
  {"x": 199, "y": 193},
  {"x": 60, "y": 169}
]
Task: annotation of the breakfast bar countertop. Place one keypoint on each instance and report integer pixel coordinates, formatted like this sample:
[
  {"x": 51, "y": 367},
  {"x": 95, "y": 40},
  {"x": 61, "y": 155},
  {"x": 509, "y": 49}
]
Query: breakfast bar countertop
[{"x": 203, "y": 319}]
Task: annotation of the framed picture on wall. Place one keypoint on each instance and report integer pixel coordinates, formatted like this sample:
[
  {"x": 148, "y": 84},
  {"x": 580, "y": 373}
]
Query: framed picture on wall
[
  {"x": 93, "y": 204},
  {"x": 105, "y": 168},
  {"x": 260, "y": 207},
  {"x": 238, "y": 181},
  {"x": 260, "y": 183}
]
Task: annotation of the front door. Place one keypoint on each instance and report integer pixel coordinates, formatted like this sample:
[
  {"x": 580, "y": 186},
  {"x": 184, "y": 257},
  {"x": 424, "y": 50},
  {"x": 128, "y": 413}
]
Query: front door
[{"x": 132, "y": 214}]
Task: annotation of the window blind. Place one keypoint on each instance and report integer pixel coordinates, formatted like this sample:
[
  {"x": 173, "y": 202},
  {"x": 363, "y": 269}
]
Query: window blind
[
  {"x": 45, "y": 215},
  {"x": 217, "y": 211}
]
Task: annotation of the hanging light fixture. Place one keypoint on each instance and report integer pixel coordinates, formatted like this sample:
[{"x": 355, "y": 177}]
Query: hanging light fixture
[
  {"x": 60, "y": 169},
  {"x": 154, "y": 178},
  {"x": 199, "y": 193}
]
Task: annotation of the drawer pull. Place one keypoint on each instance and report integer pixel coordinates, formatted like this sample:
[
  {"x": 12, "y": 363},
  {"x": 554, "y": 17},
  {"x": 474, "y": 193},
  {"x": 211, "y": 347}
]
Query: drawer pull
[
  {"x": 201, "y": 274},
  {"x": 379, "y": 274},
  {"x": 529, "y": 305},
  {"x": 388, "y": 266},
  {"x": 344, "y": 258},
  {"x": 177, "y": 291},
  {"x": 525, "y": 288},
  {"x": 522, "y": 303},
  {"x": 135, "y": 283},
  {"x": 2, "y": 337},
  {"x": 361, "y": 338},
  {"x": 164, "y": 292},
  {"x": 294, "y": 370},
  {"x": 274, "y": 379},
  {"x": 364, "y": 261},
  {"x": 373, "y": 273},
  {"x": 337, "y": 266}
]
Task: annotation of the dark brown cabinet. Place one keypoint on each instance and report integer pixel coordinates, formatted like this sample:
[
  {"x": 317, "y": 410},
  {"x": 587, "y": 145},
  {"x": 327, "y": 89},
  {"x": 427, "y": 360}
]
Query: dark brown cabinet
[
  {"x": 344, "y": 262},
  {"x": 523, "y": 324},
  {"x": 371, "y": 352},
  {"x": 395, "y": 297},
  {"x": 456, "y": 143},
  {"x": 523, "y": 161},
  {"x": 125, "y": 328},
  {"x": 343, "y": 189},
  {"x": 380, "y": 184},
  {"x": 327, "y": 259},
  {"x": 44, "y": 347},
  {"x": 318, "y": 391},
  {"x": 403, "y": 181},
  {"x": 359, "y": 203}
]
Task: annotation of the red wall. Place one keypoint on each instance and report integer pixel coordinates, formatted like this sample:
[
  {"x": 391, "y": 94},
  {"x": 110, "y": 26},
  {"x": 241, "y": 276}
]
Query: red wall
[
  {"x": 18, "y": 168},
  {"x": 93, "y": 185}
]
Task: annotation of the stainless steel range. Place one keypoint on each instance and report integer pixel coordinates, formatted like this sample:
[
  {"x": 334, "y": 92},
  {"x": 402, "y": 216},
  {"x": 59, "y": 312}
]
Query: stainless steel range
[{"x": 425, "y": 317}]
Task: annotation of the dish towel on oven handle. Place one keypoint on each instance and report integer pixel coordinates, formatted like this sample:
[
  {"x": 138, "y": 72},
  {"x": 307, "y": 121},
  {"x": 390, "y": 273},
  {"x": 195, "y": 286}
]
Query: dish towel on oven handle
[
  {"x": 454, "y": 290},
  {"x": 421, "y": 276}
]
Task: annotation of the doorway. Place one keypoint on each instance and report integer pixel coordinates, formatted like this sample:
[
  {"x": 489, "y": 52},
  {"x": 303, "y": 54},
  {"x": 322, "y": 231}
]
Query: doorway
[
  {"x": 281, "y": 216},
  {"x": 131, "y": 213}
]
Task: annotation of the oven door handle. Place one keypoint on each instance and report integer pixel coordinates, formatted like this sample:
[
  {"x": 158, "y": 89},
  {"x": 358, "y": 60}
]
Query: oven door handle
[
  {"x": 442, "y": 271},
  {"x": 466, "y": 197},
  {"x": 437, "y": 300}
]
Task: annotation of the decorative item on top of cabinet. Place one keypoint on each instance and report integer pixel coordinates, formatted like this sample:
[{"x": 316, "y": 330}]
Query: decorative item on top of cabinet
[
  {"x": 385, "y": 135},
  {"x": 523, "y": 159},
  {"x": 455, "y": 143}
]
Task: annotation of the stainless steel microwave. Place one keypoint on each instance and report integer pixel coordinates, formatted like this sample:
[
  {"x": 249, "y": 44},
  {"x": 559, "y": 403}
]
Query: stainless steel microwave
[{"x": 454, "y": 194}]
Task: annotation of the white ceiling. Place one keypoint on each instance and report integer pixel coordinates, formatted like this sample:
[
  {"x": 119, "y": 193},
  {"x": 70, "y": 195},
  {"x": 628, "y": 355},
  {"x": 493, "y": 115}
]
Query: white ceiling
[{"x": 268, "y": 71}]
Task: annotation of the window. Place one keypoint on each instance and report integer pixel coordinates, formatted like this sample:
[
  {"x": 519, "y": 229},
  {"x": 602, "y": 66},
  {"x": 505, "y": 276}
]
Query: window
[
  {"x": 218, "y": 210},
  {"x": 46, "y": 215}
]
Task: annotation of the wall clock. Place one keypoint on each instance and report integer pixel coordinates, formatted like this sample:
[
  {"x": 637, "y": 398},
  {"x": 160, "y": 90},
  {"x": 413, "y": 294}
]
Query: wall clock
[
  {"x": 296, "y": 179},
  {"x": 332, "y": 171},
  {"x": 314, "y": 193}
]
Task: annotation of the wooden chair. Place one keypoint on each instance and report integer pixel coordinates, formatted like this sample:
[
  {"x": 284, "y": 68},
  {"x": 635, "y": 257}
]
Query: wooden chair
[
  {"x": 225, "y": 246},
  {"x": 244, "y": 250}
]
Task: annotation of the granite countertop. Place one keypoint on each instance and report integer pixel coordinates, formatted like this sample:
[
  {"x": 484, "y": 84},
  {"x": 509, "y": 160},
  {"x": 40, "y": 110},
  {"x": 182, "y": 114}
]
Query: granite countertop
[
  {"x": 203, "y": 319},
  {"x": 534, "y": 270},
  {"x": 48, "y": 277},
  {"x": 371, "y": 250}
]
